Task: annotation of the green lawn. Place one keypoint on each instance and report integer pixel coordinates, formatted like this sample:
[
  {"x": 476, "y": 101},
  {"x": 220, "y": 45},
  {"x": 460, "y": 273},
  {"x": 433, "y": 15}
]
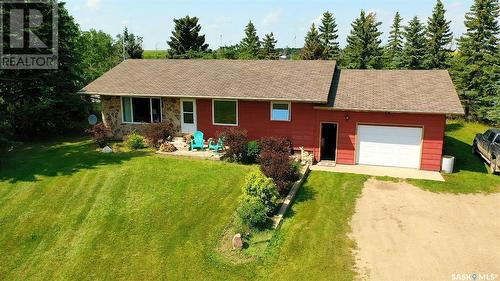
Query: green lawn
[
  {"x": 471, "y": 172},
  {"x": 69, "y": 212}
]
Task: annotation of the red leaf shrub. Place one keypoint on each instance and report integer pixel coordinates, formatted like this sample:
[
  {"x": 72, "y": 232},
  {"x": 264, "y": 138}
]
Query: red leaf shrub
[
  {"x": 236, "y": 139},
  {"x": 282, "y": 145},
  {"x": 156, "y": 133},
  {"x": 99, "y": 133}
]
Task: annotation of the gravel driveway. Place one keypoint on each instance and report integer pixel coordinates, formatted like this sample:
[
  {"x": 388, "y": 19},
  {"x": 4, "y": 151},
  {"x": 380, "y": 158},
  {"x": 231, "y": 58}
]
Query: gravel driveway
[{"x": 405, "y": 233}]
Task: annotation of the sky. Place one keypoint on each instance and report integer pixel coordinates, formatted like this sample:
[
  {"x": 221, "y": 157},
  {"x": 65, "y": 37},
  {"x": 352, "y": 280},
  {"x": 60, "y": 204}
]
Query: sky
[{"x": 223, "y": 21}]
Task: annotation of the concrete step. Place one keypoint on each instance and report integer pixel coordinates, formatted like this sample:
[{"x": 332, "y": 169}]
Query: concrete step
[{"x": 327, "y": 163}]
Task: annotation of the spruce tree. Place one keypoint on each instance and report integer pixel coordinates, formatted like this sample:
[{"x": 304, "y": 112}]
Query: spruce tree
[
  {"x": 328, "y": 36},
  {"x": 269, "y": 47},
  {"x": 439, "y": 37},
  {"x": 313, "y": 49},
  {"x": 414, "y": 48},
  {"x": 186, "y": 37},
  {"x": 476, "y": 67},
  {"x": 394, "y": 48},
  {"x": 250, "y": 45},
  {"x": 363, "y": 43}
]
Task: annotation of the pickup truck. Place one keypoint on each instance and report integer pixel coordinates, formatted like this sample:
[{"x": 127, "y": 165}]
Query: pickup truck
[{"x": 487, "y": 145}]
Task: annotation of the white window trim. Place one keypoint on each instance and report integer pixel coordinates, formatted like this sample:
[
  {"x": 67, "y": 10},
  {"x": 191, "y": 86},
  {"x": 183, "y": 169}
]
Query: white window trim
[
  {"x": 221, "y": 124},
  {"x": 132, "y": 109},
  {"x": 289, "y": 111}
]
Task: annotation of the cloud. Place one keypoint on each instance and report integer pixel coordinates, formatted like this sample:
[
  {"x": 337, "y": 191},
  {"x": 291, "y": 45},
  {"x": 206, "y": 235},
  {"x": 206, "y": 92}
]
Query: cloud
[
  {"x": 93, "y": 4},
  {"x": 272, "y": 18}
]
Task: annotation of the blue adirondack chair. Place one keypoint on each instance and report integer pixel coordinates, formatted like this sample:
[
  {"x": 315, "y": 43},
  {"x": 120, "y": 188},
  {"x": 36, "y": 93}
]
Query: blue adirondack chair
[
  {"x": 197, "y": 141},
  {"x": 216, "y": 146}
]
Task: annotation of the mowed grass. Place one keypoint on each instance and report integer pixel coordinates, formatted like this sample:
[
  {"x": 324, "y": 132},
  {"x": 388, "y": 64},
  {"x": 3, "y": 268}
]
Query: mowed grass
[
  {"x": 470, "y": 171},
  {"x": 68, "y": 212}
]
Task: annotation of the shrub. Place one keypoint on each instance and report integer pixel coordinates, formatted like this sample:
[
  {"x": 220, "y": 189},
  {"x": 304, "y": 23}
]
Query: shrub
[
  {"x": 236, "y": 140},
  {"x": 135, "y": 141},
  {"x": 99, "y": 133},
  {"x": 263, "y": 188},
  {"x": 283, "y": 145},
  {"x": 157, "y": 133},
  {"x": 278, "y": 166},
  {"x": 252, "y": 212},
  {"x": 253, "y": 150}
]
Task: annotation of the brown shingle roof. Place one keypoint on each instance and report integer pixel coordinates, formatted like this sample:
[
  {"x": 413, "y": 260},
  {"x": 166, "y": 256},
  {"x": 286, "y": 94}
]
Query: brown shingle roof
[
  {"x": 415, "y": 91},
  {"x": 307, "y": 81}
]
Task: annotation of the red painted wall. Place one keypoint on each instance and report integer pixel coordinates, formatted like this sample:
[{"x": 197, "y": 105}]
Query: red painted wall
[{"x": 304, "y": 127}]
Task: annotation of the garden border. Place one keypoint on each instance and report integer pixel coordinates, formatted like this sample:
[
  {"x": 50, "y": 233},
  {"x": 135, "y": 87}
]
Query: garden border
[{"x": 278, "y": 218}]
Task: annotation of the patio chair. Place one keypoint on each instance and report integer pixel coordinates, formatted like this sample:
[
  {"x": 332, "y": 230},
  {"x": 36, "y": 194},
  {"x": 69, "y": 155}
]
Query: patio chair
[
  {"x": 197, "y": 141},
  {"x": 216, "y": 146}
]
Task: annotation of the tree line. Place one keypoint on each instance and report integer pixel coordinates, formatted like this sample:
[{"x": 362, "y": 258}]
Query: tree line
[{"x": 474, "y": 65}]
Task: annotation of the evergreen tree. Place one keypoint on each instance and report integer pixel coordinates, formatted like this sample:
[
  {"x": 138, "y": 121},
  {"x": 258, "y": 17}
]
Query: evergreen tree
[
  {"x": 313, "y": 49},
  {"x": 186, "y": 37},
  {"x": 250, "y": 45},
  {"x": 363, "y": 43},
  {"x": 439, "y": 37},
  {"x": 44, "y": 101},
  {"x": 476, "y": 68},
  {"x": 394, "y": 48},
  {"x": 133, "y": 44},
  {"x": 269, "y": 47},
  {"x": 414, "y": 48},
  {"x": 328, "y": 36}
]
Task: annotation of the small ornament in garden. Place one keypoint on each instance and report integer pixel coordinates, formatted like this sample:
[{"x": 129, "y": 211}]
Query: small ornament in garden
[
  {"x": 106, "y": 149},
  {"x": 237, "y": 242},
  {"x": 167, "y": 147}
]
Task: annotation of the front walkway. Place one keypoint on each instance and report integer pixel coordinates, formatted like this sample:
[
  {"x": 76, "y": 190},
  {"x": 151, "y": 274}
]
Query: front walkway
[{"x": 381, "y": 171}]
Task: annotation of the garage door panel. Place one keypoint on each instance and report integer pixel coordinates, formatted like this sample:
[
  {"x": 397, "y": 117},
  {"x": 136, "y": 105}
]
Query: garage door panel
[{"x": 389, "y": 146}]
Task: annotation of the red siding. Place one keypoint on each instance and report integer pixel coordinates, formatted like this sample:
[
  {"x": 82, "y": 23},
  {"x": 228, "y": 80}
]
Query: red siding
[{"x": 304, "y": 127}]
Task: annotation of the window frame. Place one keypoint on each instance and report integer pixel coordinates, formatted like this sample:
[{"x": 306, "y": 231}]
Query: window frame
[
  {"x": 132, "y": 109},
  {"x": 237, "y": 113},
  {"x": 289, "y": 103}
]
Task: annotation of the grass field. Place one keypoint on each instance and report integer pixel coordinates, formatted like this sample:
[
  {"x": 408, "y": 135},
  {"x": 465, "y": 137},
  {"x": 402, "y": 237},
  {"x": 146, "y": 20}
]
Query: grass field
[
  {"x": 154, "y": 54},
  {"x": 69, "y": 212},
  {"x": 471, "y": 172}
]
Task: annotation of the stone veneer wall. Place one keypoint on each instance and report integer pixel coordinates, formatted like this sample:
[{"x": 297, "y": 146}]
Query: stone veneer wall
[{"x": 112, "y": 116}]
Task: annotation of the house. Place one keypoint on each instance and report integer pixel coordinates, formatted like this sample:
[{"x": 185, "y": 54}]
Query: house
[{"x": 373, "y": 117}]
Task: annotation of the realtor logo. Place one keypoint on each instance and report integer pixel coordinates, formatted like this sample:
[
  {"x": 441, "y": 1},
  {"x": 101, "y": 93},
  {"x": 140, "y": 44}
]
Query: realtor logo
[{"x": 29, "y": 34}]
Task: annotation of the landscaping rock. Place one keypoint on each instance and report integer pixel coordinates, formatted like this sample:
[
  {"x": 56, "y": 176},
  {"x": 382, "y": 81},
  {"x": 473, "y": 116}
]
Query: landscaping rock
[
  {"x": 237, "y": 242},
  {"x": 106, "y": 149}
]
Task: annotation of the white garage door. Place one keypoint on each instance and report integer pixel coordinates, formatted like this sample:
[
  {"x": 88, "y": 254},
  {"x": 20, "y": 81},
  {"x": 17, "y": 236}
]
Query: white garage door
[{"x": 389, "y": 146}]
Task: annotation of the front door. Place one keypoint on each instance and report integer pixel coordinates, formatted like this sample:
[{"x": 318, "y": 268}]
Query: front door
[
  {"x": 328, "y": 141},
  {"x": 188, "y": 116}
]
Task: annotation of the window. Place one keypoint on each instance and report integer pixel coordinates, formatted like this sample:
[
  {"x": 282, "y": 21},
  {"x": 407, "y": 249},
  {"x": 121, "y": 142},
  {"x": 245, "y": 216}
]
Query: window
[
  {"x": 188, "y": 112},
  {"x": 141, "y": 110},
  {"x": 280, "y": 111},
  {"x": 491, "y": 136},
  {"x": 225, "y": 112},
  {"x": 497, "y": 140}
]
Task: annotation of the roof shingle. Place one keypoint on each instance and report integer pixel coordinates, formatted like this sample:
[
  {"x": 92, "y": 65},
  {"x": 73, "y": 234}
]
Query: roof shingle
[
  {"x": 415, "y": 91},
  {"x": 307, "y": 81}
]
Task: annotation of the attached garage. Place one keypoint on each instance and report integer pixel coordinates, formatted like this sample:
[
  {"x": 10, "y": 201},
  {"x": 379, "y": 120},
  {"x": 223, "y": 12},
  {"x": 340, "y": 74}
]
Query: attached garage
[{"x": 389, "y": 146}]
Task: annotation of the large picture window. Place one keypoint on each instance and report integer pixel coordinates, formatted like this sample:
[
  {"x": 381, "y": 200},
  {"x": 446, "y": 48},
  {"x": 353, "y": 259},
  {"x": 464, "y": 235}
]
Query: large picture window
[
  {"x": 225, "y": 112},
  {"x": 280, "y": 111},
  {"x": 141, "y": 110}
]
